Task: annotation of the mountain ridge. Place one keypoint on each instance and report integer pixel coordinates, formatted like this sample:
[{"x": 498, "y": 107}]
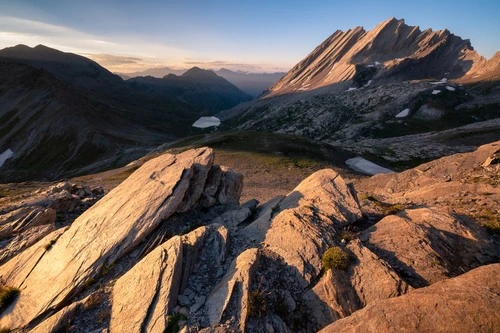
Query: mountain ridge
[{"x": 392, "y": 50}]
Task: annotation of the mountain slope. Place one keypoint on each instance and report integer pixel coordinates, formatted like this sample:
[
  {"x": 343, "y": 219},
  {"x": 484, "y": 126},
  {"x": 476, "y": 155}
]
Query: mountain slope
[
  {"x": 391, "y": 50},
  {"x": 67, "y": 66},
  {"x": 253, "y": 84},
  {"x": 54, "y": 128},
  {"x": 198, "y": 87},
  {"x": 370, "y": 92},
  {"x": 63, "y": 114}
]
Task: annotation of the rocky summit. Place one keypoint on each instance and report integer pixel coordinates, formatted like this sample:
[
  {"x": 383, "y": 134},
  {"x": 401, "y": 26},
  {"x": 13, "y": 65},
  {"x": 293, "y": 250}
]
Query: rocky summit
[
  {"x": 358, "y": 192},
  {"x": 171, "y": 248},
  {"x": 391, "y": 50}
]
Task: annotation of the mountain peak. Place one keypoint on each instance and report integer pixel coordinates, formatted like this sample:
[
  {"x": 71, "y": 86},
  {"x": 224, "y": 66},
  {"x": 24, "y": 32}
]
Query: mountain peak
[
  {"x": 392, "y": 50},
  {"x": 197, "y": 72}
]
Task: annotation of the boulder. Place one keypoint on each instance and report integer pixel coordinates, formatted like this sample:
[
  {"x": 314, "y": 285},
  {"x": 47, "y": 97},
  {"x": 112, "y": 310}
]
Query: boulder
[
  {"x": 235, "y": 286},
  {"x": 340, "y": 293},
  {"x": 19, "y": 220},
  {"x": 308, "y": 219},
  {"x": 156, "y": 278},
  {"x": 427, "y": 245},
  {"x": 256, "y": 231},
  {"x": 112, "y": 227},
  {"x": 467, "y": 303},
  {"x": 160, "y": 277}
]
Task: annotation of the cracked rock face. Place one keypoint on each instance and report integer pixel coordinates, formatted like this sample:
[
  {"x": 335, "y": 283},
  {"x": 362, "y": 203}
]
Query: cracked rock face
[
  {"x": 162, "y": 258},
  {"x": 425, "y": 245},
  {"x": 468, "y": 303},
  {"x": 308, "y": 219},
  {"x": 109, "y": 229}
]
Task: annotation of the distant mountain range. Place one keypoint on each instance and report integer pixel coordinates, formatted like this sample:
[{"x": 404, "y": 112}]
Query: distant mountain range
[
  {"x": 158, "y": 72},
  {"x": 201, "y": 88},
  {"x": 61, "y": 113},
  {"x": 253, "y": 84}
]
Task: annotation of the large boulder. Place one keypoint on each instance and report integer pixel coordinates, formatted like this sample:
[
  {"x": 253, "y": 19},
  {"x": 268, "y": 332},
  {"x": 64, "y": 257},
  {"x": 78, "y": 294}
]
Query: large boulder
[
  {"x": 161, "y": 277},
  {"x": 340, "y": 293},
  {"x": 112, "y": 227},
  {"x": 145, "y": 295},
  {"x": 427, "y": 245},
  {"x": 236, "y": 286},
  {"x": 308, "y": 220},
  {"x": 467, "y": 303}
]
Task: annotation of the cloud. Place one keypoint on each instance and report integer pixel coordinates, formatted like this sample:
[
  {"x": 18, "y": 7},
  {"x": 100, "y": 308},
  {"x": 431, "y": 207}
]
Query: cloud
[
  {"x": 113, "y": 60},
  {"x": 122, "y": 54},
  {"x": 115, "y": 54}
]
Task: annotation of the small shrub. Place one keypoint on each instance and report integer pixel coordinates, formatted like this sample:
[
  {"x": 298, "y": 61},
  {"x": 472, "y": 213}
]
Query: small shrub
[
  {"x": 492, "y": 226},
  {"x": 7, "y": 296},
  {"x": 92, "y": 302},
  {"x": 336, "y": 258},
  {"x": 173, "y": 322},
  {"x": 257, "y": 305},
  {"x": 347, "y": 235},
  {"x": 368, "y": 197},
  {"x": 393, "y": 209},
  {"x": 48, "y": 246},
  {"x": 490, "y": 221}
]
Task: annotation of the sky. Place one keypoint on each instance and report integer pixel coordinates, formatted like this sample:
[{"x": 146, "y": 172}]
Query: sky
[{"x": 257, "y": 36}]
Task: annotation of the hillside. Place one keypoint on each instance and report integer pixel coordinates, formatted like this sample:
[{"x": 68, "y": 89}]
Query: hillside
[
  {"x": 254, "y": 84},
  {"x": 200, "y": 88},
  {"x": 63, "y": 114},
  {"x": 321, "y": 254}
]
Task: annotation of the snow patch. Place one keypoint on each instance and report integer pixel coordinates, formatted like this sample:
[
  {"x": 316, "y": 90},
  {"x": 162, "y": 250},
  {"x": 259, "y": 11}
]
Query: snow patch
[
  {"x": 205, "y": 122},
  {"x": 443, "y": 80},
  {"x": 377, "y": 63},
  {"x": 450, "y": 88},
  {"x": 5, "y": 156},
  {"x": 362, "y": 165},
  {"x": 368, "y": 83},
  {"x": 435, "y": 92},
  {"x": 351, "y": 89},
  {"x": 370, "y": 66},
  {"x": 403, "y": 113}
]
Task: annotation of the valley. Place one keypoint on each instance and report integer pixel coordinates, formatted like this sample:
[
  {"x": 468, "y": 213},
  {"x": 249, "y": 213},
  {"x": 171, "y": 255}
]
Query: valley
[{"x": 358, "y": 192}]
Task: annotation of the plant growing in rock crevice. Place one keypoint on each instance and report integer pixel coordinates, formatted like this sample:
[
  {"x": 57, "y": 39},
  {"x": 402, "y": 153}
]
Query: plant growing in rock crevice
[
  {"x": 257, "y": 305},
  {"x": 335, "y": 258},
  {"x": 7, "y": 296}
]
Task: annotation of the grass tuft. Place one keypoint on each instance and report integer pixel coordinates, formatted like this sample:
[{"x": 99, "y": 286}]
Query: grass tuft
[
  {"x": 257, "y": 305},
  {"x": 7, "y": 296},
  {"x": 335, "y": 258}
]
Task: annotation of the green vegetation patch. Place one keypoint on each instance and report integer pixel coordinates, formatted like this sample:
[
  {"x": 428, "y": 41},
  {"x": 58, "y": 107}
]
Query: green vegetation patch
[
  {"x": 257, "y": 305},
  {"x": 335, "y": 258},
  {"x": 7, "y": 296}
]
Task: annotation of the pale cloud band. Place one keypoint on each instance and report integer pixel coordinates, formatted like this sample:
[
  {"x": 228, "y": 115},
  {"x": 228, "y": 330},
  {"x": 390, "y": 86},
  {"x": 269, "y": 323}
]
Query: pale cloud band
[{"x": 122, "y": 54}]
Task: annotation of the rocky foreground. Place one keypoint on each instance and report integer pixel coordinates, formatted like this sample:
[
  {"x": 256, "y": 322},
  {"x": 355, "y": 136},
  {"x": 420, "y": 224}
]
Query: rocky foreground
[{"x": 172, "y": 249}]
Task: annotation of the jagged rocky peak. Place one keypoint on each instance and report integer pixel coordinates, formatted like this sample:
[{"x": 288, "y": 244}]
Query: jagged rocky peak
[{"x": 391, "y": 50}]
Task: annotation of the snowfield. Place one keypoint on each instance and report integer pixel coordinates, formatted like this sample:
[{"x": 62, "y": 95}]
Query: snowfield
[
  {"x": 5, "y": 156},
  {"x": 205, "y": 122},
  {"x": 362, "y": 165},
  {"x": 403, "y": 113},
  {"x": 443, "y": 80}
]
